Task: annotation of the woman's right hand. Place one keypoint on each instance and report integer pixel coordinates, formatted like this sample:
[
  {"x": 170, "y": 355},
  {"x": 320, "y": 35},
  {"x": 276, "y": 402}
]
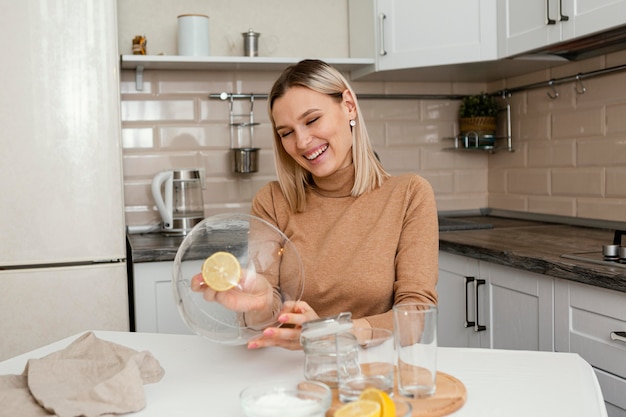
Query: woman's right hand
[{"x": 253, "y": 293}]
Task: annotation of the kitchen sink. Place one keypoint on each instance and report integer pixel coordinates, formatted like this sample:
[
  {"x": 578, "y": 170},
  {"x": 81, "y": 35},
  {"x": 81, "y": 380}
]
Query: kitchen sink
[{"x": 448, "y": 224}]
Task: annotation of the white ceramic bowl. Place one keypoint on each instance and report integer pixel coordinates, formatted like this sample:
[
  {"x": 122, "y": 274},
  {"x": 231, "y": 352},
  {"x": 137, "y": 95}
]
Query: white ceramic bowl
[{"x": 285, "y": 398}]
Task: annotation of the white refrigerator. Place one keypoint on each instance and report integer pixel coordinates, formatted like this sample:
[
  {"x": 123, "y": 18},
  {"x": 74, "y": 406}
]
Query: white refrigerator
[{"x": 62, "y": 233}]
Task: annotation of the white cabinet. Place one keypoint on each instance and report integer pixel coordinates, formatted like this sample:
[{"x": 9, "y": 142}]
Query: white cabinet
[
  {"x": 459, "y": 297},
  {"x": 488, "y": 305},
  {"x": 155, "y": 308},
  {"x": 590, "y": 321},
  {"x": 521, "y": 308},
  {"x": 524, "y": 25},
  {"x": 419, "y": 33}
]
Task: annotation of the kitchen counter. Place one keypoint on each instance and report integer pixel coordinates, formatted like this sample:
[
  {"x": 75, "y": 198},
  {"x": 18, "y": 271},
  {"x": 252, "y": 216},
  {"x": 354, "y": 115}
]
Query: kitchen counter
[
  {"x": 203, "y": 378},
  {"x": 531, "y": 245},
  {"x": 537, "y": 247}
]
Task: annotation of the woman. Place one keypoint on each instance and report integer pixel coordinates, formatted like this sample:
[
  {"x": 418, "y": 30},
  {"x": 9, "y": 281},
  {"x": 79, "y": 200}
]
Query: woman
[{"x": 367, "y": 240}]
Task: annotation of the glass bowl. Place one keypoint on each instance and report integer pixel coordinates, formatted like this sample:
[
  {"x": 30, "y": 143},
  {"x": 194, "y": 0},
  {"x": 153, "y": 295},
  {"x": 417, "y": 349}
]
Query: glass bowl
[
  {"x": 284, "y": 398},
  {"x": 263, "y": 252}
]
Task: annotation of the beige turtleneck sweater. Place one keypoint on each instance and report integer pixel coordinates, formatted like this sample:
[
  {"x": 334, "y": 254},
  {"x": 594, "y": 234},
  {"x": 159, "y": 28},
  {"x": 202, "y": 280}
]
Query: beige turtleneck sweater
[{"x": 361, "y": 254}]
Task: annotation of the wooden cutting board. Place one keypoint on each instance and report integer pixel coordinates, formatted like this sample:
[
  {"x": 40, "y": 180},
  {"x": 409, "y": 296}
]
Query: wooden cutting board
[{"x": 449, "y": 396}]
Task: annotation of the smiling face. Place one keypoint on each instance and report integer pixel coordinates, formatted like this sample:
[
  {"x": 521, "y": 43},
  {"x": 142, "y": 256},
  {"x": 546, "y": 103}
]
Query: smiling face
[{"x": 315, "y": 129}]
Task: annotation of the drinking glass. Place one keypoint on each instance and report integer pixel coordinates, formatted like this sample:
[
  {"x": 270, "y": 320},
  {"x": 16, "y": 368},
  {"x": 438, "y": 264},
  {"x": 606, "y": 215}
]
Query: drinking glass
[{"x": 415, "y": 335}]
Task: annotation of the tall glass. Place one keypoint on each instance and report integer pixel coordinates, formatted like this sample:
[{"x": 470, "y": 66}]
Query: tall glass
[{"x": 415, "y": 334}]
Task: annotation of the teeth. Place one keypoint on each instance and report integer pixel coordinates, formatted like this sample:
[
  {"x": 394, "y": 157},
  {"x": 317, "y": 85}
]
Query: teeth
[{"x": 316, "y": 153}]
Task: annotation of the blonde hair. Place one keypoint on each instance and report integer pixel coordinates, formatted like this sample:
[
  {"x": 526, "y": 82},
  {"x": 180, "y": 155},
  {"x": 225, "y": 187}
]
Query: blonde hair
[{"x": 293, "y": 179}]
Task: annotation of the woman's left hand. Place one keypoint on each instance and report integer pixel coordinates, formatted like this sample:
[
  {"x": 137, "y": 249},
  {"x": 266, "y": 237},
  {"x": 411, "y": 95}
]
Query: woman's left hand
[{"x": 293, "y": 313}]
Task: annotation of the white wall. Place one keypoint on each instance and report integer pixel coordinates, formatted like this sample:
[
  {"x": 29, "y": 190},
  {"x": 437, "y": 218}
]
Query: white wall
[{"x": 318, "y": 27}]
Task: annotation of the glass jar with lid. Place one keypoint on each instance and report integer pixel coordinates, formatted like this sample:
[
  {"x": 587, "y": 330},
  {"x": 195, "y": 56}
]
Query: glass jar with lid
[{"x": 329, "y": 348}]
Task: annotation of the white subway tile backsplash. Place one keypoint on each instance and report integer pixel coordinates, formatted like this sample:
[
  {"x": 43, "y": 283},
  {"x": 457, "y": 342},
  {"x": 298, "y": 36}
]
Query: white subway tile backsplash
[
  {"x": 528, "y": 181},
  {"x": 516, "y": 159},
  {"x": 616, "y": 119},
  {"x": 557, "y": 153},
  {"x": 569, "y": 159},
  {"x": 455, "y": 202},
  {"x": 558, "y": 206},
  {"x": 138, "y": 138},
  {"x": 128, "y": 83},
  {"x": 578, "y": 123},
  {"x": 508, "y": 202},
  {"x": 497, "y": 180},
  {"x": 438, "y": 159},
  {"x": 601, "y": 152},
  {"x": 160, "y": 110},
  {"x": 439, "y": 110},
  {"x": 414, "y": 132},
  {"x": 192, "y": 83},
  {"x": 442, "y": 181},
  {"x": 470, "y": 181},
  {"x": 616, "y": 182},
  {"x": 535, "y": 127},
  {"x": 585, "y": 182},
  {"x": 603, "y": 209},
  {"x": 401, "y": 159},
  {"x": 195, "y": 137}
]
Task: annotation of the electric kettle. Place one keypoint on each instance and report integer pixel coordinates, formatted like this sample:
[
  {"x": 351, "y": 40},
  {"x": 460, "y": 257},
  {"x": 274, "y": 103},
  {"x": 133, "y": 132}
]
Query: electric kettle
[{"x": 178, "y": 197}]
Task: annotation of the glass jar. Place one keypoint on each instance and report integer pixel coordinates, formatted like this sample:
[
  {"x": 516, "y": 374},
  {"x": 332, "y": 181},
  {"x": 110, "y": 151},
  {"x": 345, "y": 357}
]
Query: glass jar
[{"x": 329, "y": 349}]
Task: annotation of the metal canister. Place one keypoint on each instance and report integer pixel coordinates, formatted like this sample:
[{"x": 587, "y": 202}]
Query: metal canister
[{"x": 251, "y": 43}]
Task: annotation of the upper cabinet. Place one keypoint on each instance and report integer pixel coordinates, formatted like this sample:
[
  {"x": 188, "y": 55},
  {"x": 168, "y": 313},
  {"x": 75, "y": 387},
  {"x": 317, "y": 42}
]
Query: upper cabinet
[
  {"x": 525, "y": 25},
  {"x": 404, "y": 34}
]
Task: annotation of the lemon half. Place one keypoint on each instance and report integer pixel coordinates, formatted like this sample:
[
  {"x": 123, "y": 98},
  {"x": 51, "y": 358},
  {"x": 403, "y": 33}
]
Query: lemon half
[
  {"x": 387, "y": 406},
  {"x": 221, "y": 271},
  {"x": 359, "y": 408}
]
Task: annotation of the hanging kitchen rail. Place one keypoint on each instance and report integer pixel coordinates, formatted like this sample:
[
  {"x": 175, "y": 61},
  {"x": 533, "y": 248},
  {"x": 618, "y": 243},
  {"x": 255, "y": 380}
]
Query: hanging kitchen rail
[
  {"x": 553, "y": 93},
  {"x": 247, "y": 96}
]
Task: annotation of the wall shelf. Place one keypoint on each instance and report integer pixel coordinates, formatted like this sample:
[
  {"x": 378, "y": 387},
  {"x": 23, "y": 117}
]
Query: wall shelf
[
  {"x": 139, "y": 63},
  {"x": 471, "y": 141}
]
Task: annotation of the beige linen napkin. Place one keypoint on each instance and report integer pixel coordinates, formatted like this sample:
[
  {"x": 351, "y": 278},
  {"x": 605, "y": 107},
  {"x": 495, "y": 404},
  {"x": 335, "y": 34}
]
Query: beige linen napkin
[{"x": 90, "y": 378}]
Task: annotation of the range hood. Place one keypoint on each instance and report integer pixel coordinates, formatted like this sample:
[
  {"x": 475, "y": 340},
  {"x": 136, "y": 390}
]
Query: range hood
[{"x": 582, "y": 48}]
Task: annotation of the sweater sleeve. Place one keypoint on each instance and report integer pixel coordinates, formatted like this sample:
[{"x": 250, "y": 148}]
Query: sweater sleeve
[{"x": 417, "y": 254}]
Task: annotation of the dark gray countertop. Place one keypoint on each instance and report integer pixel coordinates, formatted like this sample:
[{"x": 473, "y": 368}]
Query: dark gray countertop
[
  {"x": 537, "y": 247},
  {"x": 524, "y": 244}
]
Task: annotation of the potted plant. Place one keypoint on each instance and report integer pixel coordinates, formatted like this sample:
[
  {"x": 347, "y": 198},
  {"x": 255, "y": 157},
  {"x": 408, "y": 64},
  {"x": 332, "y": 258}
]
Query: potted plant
[{"x": 477, "y": 113}]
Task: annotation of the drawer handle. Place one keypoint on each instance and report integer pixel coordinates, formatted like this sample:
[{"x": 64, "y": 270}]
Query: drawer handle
[
  {"x": 467, "y": 322},
  {"x": 619, "y": 336},
  {"x": 477, "y": 326}
]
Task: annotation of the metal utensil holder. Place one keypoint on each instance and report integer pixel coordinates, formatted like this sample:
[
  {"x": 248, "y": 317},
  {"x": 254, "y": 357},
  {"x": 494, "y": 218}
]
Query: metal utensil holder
[{"x": 244, "y": 154}]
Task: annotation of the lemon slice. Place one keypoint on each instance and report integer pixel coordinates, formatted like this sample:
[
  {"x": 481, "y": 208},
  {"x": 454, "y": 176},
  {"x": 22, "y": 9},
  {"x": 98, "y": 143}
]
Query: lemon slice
[
  {"x": 387, "y": 406},
  {"x": 221, "y": 271},
  {"x": 359, "y": 408}
]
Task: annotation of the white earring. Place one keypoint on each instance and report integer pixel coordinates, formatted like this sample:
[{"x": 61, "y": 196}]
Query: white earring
[{"x": 352, "y": 122}]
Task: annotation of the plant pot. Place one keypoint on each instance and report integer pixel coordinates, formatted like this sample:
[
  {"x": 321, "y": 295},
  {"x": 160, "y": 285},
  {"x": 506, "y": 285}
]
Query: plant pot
[{"x": 480, "y": 125}]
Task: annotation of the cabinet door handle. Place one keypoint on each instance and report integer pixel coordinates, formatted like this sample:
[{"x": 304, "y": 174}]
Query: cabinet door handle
[
  {"x": 620, "y": 336},
  {"x": 477, "y": 326},
  {"x": 548, "y": 20},
  {"x": 467, "y": 322},
  {"x": 381, "y": 27},
  {"x": 562, "y": 17}
]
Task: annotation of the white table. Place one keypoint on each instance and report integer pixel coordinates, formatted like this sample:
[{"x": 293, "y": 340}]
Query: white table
[{"x": 204, "y": 379}]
